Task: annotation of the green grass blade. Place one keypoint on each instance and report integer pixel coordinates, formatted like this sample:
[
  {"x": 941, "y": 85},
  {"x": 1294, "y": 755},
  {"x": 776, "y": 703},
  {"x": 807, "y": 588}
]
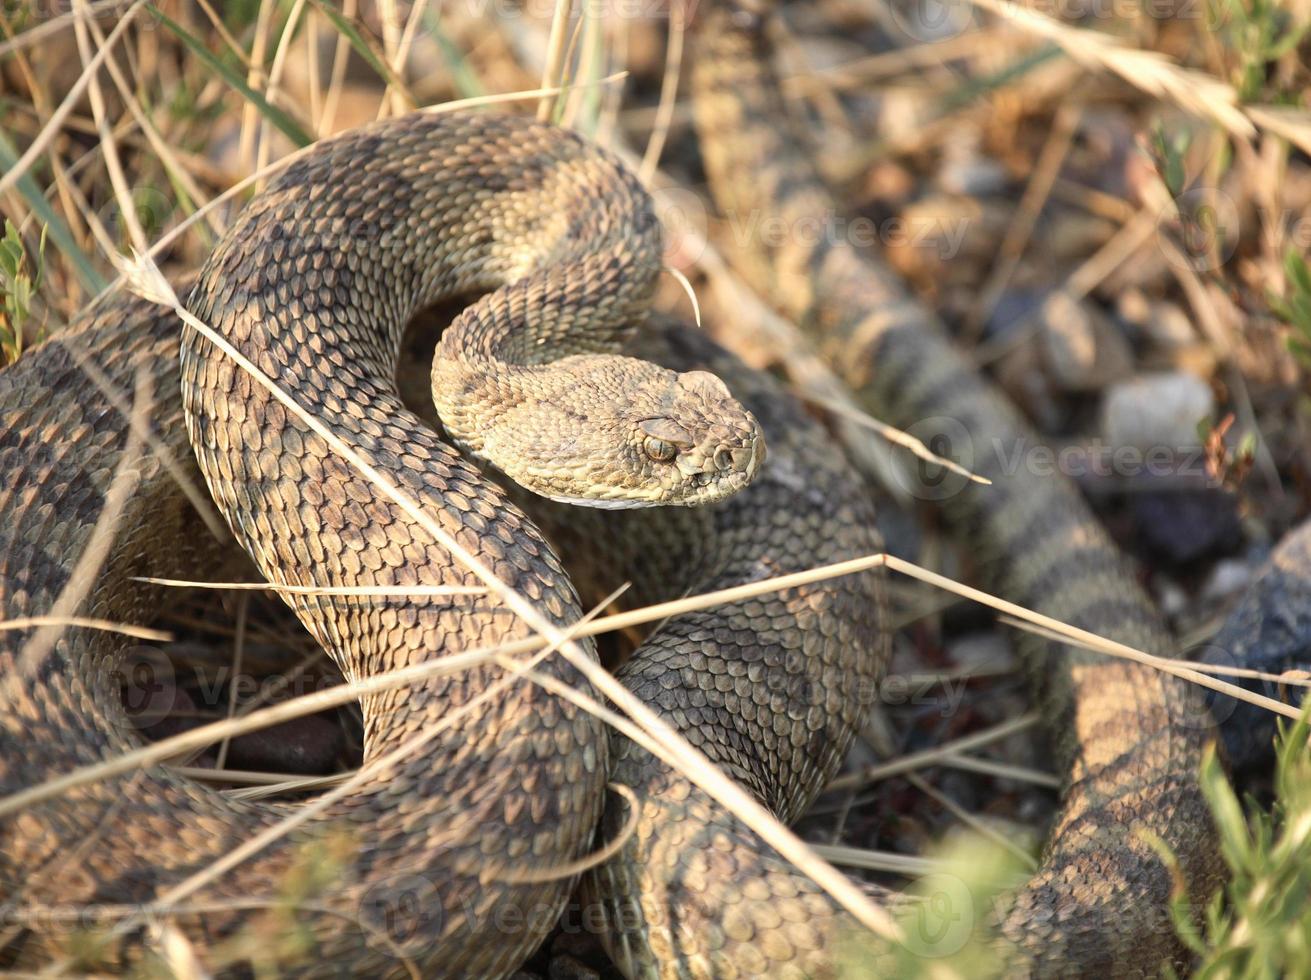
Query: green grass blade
[
  {"x": 976, "y": 88},
  {"x": 272, "y": 113},
  {"x": 466, "y": 79},
  {"x": 87, "y": 276},
  {"x": 358, "y": 42}
]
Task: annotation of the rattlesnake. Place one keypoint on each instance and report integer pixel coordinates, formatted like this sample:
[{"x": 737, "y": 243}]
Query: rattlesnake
[{"x": 315, "y": 284}]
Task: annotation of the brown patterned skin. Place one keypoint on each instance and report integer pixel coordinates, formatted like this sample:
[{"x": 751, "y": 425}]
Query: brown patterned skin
[
  {"x": 772, "y": 690},
  {"x": 315, "y": 284},
  {"x": 1128, "y": 739}
]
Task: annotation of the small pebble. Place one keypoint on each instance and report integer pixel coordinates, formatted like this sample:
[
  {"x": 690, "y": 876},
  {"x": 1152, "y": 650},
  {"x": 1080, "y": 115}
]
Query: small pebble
[
  {"x": 1156, "y": 412},
  {"x": 1082, "y": 347},
  {"x": 1227, "y": 579},
  {"x": 1168, "y": 326},
  {"x": 1180, "y": 528}
]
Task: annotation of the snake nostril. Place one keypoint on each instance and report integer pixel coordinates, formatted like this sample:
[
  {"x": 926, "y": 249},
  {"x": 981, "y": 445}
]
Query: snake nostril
[{"x": 724, "y": 459}]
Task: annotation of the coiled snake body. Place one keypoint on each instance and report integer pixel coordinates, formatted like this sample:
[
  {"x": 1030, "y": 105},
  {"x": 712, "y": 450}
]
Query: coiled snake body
[{"x": 314, "y": 285}]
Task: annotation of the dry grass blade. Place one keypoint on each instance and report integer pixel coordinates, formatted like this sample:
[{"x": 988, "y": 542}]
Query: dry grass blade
[
  {"x": 929, "y": 757},
  {"x": 282, "y": 784},
  {"x": 686, "y": 284},
  {"x": 568, "y": 103},
  {"x": 57, "y": 118},
  {"x": 56, "y": 24},
  {"x": 1045, "y": 171},
  {"x": 1064, "y": 633},
  {"x": 1001, "y": 770},
  {"x": 597, "y": 857},
  {"x": 668, "y": 93},
  {"x": 417, "y": 14},
  {"x": 893, "y": 435},
  {"x": 1289, "y": 678},
  {"x": 221, "y": 29},
  {"x": 108, "y": 143},
  {"x": 254, "y": 74},
  {"x": 1289, "y": 122},
  {"x": 337, "y": 79},
  {"x": 238, "y": 660},
  {"x": 675, "y": 607},
  {"x": 870, "y": 860},
  {"x": 86, "y": 623},
  {"x": 183, "y": 962},
  {"x": 274, "y": 82},
  {"x": 395, "y": 591},
  {"x": 555, "y": 53},
  {"x": 971, "y": 821},
  {"x": 863, "y": 71},
  {"x": 335, "y": 697},
  {"x": 252, "y": 778},
  {"x": 1193, "y": 91}
]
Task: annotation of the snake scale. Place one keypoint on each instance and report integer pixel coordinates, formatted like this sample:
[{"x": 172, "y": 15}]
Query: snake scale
[{"x": 315, "y": 284}]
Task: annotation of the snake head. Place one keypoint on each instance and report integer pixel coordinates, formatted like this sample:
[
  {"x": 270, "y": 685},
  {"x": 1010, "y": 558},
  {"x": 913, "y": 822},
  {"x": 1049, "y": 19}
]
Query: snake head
[
  {"x": 699, "y": 444},
  {"x": 616, "y": 432}
]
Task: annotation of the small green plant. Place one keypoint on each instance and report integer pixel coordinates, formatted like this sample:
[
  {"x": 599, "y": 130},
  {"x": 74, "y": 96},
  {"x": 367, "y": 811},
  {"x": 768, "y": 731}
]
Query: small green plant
[
  {"x": 1295, "y": 308},
  {"x": 17, "y": 13},
  {"x": 1259, "y": 925},
  {"x": 1170, "y": 150},
  {"x": 947, "y": 919},
  {"x": 20, "y": 277},
  {"x": 1259, "y": 32}
]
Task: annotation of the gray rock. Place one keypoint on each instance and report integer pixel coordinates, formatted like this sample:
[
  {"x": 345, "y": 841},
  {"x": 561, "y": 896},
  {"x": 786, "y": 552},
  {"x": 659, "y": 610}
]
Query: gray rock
[
  {"x": 1082, "y": 347},
  {"x": 1154, "y": 412}
]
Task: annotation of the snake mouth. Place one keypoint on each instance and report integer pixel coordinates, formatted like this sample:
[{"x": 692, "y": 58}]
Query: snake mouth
[
  {"x": 733, "y": 465},
  {"x": 744, "y": 460},
  {"x": 727, "y": 470}
]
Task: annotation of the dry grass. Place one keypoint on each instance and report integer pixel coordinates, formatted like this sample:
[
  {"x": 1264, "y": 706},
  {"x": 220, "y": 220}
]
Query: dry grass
[{"x": 983, "y": 123}]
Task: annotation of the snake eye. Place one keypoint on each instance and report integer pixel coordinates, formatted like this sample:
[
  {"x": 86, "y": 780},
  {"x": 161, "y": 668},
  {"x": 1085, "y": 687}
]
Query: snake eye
[{"x": 659, "y": 450}]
